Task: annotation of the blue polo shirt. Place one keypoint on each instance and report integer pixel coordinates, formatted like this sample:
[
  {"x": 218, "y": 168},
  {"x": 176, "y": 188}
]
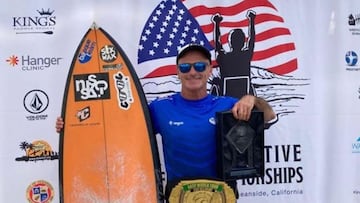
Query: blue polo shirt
[{"x": 188, "y": 132}]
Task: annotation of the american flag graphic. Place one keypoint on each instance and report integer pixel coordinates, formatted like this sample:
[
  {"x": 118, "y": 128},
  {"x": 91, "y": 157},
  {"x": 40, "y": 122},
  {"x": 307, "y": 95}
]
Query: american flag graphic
[{"x": 175, "y": 23}]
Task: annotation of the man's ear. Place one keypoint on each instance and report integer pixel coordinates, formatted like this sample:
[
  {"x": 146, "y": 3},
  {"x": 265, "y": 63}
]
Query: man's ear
[
  {"x": 178, "y": 73},
  {"x": 210, "y": 70}
]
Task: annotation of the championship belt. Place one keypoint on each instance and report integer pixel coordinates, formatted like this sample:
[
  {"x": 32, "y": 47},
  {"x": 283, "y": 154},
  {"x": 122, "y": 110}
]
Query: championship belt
[{"x": 202, "y": 190}]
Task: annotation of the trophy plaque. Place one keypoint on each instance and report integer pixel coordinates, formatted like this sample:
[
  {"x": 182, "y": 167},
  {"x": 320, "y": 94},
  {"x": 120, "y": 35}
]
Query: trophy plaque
[{"x": 240, "y": 146}]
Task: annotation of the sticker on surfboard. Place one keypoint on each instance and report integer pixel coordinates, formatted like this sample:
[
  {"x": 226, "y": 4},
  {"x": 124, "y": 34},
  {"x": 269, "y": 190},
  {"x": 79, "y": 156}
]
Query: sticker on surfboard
[{"x": 108, "y": 152}]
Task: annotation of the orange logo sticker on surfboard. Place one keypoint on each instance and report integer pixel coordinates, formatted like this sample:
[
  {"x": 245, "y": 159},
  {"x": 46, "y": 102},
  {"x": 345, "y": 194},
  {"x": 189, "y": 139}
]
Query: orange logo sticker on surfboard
[{"x": 107, "y": 150}]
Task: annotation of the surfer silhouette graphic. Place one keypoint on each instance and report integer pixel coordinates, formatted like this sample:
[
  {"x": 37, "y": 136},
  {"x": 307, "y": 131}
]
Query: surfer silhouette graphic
[{"x": 234, "y": 64}]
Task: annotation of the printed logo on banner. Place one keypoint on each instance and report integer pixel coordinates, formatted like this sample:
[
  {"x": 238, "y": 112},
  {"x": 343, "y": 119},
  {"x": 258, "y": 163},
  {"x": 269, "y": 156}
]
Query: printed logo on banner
[
  {"x": 290, "y": 170},
  {"x": 29, "y": 63},
  {"x": 43, "y": 22},
  {"x": 37, "y": 151},
  {"x": 356, "y": 146},
  {"x": 354, "y": 24},
  {"x": 13, "y": 60},
  {"x": 40, "y": 192},
  {"x": 93, "y": 86},
  {"x": 351, "y": 59},
  {"x": 268, "y": 72},
  {"x": 35, "y": 102}
]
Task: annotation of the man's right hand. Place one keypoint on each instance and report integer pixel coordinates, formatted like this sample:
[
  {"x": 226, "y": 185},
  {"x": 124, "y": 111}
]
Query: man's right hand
[{"x": 59, "y": 125}]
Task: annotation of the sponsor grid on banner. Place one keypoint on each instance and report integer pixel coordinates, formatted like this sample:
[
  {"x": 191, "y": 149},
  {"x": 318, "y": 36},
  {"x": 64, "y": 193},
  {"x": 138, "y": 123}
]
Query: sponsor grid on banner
[{"x": 304, "y": 62}]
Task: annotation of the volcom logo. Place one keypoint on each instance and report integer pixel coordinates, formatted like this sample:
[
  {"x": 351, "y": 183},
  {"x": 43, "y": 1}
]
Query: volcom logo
[
  {"x": 91, "y": 86},
  {"x": 36, "y": 101},
  {"x": 122, "y": 84}
]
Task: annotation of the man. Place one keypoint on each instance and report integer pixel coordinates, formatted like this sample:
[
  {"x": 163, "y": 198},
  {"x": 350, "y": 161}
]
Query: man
[{"x": 186, "y": 120}]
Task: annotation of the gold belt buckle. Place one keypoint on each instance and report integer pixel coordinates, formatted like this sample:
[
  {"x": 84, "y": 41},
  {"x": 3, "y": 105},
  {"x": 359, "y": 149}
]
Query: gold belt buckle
[{"x": 202, "y": 190}]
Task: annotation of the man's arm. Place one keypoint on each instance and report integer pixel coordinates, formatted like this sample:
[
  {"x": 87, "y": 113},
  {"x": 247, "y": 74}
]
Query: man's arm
[
  {"x": 264, "y": 106},
  {"x": 242, "y": 109}
]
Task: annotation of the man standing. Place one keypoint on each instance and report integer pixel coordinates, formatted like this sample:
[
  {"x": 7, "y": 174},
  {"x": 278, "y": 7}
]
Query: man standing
[{"x": 186, "y": 120}]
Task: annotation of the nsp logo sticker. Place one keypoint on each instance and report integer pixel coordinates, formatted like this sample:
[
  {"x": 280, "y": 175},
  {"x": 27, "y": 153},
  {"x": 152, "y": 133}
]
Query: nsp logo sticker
[{"x": 92, "y": 86}]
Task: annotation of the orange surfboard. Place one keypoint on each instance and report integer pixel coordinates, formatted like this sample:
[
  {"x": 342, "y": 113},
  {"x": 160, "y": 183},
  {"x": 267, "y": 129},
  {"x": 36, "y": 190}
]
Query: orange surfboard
[{"x": 107, "y": 150}]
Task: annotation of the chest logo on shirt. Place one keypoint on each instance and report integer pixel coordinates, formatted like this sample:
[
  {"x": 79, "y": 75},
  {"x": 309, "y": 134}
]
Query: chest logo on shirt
[
  {"x": 176, "y": 123},
  {"x": 212, "y": 120}
]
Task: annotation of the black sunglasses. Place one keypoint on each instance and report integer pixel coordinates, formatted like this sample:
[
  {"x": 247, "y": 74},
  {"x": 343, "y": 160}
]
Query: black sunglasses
[{"x": 198, "y": 66}]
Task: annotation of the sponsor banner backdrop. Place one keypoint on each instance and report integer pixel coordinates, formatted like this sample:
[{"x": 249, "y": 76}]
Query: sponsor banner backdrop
[{"x": 304, "y": 62}]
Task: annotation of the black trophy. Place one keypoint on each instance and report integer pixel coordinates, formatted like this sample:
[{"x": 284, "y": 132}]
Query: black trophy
[{"x": 240, "y": 146}]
